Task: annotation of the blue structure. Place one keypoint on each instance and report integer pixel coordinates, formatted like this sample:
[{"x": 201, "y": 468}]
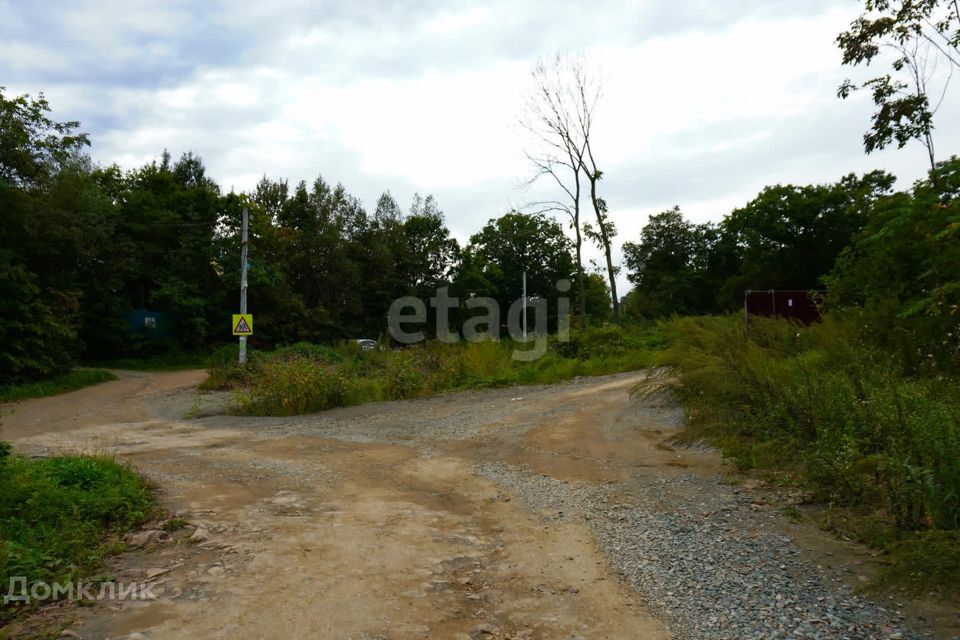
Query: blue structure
[{"x": 144, "y": 323}]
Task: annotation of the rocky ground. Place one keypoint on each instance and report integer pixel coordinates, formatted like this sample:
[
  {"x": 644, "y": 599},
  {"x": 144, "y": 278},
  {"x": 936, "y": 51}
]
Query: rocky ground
[{"x": 538, "y": 512}]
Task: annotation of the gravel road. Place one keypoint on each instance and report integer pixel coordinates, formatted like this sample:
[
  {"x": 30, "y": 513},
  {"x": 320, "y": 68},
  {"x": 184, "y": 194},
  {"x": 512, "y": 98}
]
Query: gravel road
[{"x": 538, "y": 512}]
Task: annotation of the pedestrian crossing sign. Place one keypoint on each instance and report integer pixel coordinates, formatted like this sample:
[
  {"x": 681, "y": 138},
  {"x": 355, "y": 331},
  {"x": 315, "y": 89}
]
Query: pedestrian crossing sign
[{"x": 243, "y": 324}]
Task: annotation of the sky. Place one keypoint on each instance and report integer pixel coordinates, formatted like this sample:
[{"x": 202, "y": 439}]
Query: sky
[{"x": 704, "y": 103}]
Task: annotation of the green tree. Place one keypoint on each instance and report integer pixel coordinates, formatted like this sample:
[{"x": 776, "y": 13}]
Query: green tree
[
  {"x": 903, "y": 272},
  {"x": 34, "y": 340},
  {"x": 669, "y": 267},
  {"x": 597, "y": 301},
  {"x": 917, "y": 34},
  {"x": 430, "y": 253},
  {"x": 42, "y": 247},
  {"x": 381, "y": 253},
  {"x": 789, "y": 237},
  {"x": 498, "y": 255},
  {"x": 169, "y": 212},
  {"x": 33, "y": 147}
]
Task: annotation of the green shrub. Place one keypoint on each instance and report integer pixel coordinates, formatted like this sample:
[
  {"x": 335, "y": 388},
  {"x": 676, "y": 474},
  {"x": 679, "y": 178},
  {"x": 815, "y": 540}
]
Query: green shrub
[
  {"x": 822, "y": 403},
  {"x": 225, "y": 369},
  {"x": 174, "y": 524},
  {"x": 924, "y": 562},
  {"x": 36, "y": 335},
  {"x": 315, "y": 352},
  {"x": 76, "y": 379},
  {"x": 60, "y": 516},
  {"x": 402, "y": 376},
  {"x": 293, "y": 385},
  {"x": 303, "y": 377},
  {"x": 485, "y": 362}
]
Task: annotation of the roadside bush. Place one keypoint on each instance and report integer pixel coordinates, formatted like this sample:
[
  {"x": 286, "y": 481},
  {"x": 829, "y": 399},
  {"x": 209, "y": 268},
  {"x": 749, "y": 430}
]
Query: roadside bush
[
  {"x": 225, "y": 370},
  {"x": 611, "y": 341},
  {"x": 76, "y": 379},
  {"x": 302, "y": 378},
  {"x": 402, "y": 376},
  {"x": 822, "y": 403},
  {"x": 485, "y": 363},
  {"x": 924, "y": 562},
  {"x": 36, "y": 340},
  {"x": 293, "y": 385},
  {"x": 60, "y": 516},
  {"x": 310, "y": 351}
]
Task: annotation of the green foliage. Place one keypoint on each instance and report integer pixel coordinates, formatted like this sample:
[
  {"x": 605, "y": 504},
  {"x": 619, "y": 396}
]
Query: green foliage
[
  {"x": 76, "y": 379},
  {"x": 32, "y": 146},
  {"x": 788, "y": 237},
  {"x": 170, "y": 361},
  {"x": 225, "y": 370},
  {"x": 497, "y": 257},
  {"x": 60, "y": 516},
  {"x": 917, "y": 33},
  {"x": 305, "y": 378},
  {"x": 596, "y": 343},
  {"x": 294, "y": 384},
  {"x": 925, "y": 562},
  {"x": 821, "y": 402},
  {"x": 174, "y": 524},
  {"x": 34, "y": 342},
  {"x": 403, "y": 377},
  {"x": 669, "y": 266},
  {"x": 902, "y": 275}
]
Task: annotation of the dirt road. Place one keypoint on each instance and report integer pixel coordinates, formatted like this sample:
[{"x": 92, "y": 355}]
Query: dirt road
[{"x": 496, "y": 514}]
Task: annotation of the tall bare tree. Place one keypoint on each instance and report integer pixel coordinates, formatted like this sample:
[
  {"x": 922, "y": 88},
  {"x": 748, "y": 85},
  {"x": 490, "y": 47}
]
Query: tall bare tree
[
  {"x": 557, "y": 150},
  {"x": 588, "y": 94},
  {"x": 559, "y": 114}
]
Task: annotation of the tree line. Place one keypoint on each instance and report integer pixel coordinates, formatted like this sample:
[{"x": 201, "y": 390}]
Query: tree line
[
  {"x": 84, "y": 245},
  {"x": 891, "y": 259}
]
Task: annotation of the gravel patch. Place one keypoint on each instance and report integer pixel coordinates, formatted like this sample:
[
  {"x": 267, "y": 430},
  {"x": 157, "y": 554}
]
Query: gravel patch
[
  {"x": 454, "y": 416},
  {"x": 709, "y": 563}
]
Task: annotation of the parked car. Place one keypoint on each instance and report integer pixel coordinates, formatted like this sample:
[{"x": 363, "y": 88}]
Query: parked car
[{"x": 366, "y": 344}]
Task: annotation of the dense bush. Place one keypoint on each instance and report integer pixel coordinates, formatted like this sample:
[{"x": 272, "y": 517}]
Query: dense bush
[
  {"x": 295, "y": 384},
  {"x": 822, "y": 402},
  {"x": 303, "y": 378},
  {"x": 901, "y": 279},
  {"x": 34, "y": 342},
  {"x": 76, "y": 379},
  {"x": 59, "y": 516}
]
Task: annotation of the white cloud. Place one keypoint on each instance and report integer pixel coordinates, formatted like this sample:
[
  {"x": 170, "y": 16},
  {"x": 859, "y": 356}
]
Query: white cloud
[
  {"x": 704, "y": 102},
  {"x": 452, "y": 22}
]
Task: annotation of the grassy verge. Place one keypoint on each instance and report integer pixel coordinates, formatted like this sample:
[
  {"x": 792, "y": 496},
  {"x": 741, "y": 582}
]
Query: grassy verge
[
  {"x": 76, "y": 379},
  {"x": 59, "y": 517},
  {"x": 820, "y": 408},
  {"x": 162, "y": 362},
  {"x": 305, "y": 378}
]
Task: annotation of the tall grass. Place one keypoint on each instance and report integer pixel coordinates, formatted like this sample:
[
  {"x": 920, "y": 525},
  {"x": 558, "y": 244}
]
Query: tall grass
[
  {"x": 303, "y": 378},
  {"x": 822, "y": 399},
  {"x": 71, "y": 381},
  {"x": 826, "y": 408},
  {"x": 60, "y": 516}
]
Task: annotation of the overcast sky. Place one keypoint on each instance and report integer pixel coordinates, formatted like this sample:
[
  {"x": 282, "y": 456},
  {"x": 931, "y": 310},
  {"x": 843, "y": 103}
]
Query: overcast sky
[{"x": 704, "y": 102}]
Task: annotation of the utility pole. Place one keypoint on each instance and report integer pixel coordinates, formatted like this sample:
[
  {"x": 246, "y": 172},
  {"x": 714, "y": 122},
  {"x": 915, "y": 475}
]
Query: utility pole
[
  {"x": 243, "y": 281},
  {"x": 524, "y": 305}
]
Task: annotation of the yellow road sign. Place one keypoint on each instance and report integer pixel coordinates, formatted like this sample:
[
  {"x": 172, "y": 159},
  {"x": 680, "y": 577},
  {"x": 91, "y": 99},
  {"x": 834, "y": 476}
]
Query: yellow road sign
[{"x": 243, "y": 324}]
